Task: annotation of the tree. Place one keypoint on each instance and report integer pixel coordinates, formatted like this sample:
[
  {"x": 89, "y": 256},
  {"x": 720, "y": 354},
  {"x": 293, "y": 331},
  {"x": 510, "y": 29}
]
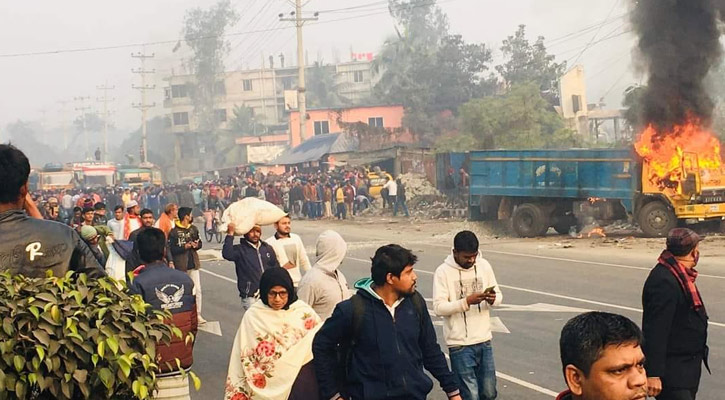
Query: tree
[
  {"x": 526, "y": 62},
  {"x": 633, "y": 97},
  {"x": 204, "y": 34},
  {"x": 322, "y": 90},
  {"x": 24, "y": 135},
  {"x": 427, "y": 69},
  {"x": 520, "y": 119},
  {"x": 245, "y": 123}
]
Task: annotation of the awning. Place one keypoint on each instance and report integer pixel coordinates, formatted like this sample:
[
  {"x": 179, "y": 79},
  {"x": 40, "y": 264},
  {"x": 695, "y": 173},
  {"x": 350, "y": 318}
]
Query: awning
[{"x": 316, "y": 147}]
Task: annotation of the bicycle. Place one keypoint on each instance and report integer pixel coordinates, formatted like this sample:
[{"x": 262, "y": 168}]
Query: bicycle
[{"x": 211, "y": 226}]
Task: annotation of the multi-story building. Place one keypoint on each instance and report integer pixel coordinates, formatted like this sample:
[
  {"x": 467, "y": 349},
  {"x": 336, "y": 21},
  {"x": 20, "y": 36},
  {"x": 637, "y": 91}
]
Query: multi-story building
[{"x": 269, "y": 92}]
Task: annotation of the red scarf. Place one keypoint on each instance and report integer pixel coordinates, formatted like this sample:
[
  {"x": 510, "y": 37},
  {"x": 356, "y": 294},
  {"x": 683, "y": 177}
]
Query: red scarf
[
  {"x": 685, "y": 277},
  {"x": 127, "y": 224}
]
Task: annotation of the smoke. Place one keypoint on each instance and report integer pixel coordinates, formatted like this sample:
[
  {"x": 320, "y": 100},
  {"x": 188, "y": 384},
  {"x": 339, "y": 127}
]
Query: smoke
[{"x": 679, "y": 44}]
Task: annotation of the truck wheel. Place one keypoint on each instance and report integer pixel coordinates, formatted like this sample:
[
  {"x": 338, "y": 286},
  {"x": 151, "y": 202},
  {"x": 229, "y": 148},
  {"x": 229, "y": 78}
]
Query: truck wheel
[
  {"x": 656, "y": 219},
  {"x": 564, "y": 223},
  {"x": 529, "y": 220}
]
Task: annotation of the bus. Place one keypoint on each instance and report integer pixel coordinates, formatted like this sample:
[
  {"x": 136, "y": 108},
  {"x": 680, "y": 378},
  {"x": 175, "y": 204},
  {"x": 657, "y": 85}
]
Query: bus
[
  {"x": 139, "y": 176},
  {"x": 95, "y": 174}
]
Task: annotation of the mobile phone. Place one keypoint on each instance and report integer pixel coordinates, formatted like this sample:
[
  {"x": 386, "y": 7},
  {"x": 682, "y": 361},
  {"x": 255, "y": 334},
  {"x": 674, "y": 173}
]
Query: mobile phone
[{"x": 489, "y": 289}]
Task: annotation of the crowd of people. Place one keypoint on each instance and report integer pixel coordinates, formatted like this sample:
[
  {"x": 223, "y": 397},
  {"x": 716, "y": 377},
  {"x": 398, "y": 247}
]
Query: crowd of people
[{"x": 305, "y": 334}]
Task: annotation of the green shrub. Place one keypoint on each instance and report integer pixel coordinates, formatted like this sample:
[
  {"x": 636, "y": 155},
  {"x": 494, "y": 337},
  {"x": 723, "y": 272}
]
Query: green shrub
[{"x": 77, "y": 338}]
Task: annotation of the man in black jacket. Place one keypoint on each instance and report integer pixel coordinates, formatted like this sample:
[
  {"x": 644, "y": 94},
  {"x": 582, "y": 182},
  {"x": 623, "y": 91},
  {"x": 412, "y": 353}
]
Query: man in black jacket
[
  {"x": 251, "y": 257},
  {"x": 184, "y": 243},
  {"x": 388, "y": 336},
  {"x": 30, "y": 245},
  {"x": 675, "y": 320}
]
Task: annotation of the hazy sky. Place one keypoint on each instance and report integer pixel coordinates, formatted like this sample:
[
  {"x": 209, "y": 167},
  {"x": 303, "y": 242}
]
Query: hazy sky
[{"x": 32, "y": 87}]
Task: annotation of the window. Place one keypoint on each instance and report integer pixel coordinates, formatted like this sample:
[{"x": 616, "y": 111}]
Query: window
[
  {"x": 576, "y": 103},
  {"x": 322, "y": 127},
  {"x": 181, "y": 118},
  {"x": 178, "y": 91},
  {"x": 221, "y": 115},
  {"x": 247, "y": 85},
  {"x": 357, "y": 77},
  {"x": 376, "y": 122},
  {"x": 167, "y": 93},
  {"x": 287, "y": 82},
  {"x": 220, "y": 89}
]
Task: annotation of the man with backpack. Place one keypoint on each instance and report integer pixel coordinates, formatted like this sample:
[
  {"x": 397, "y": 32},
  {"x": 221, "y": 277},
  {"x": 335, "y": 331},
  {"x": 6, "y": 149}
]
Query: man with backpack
[{"x": 376, "y": 344}]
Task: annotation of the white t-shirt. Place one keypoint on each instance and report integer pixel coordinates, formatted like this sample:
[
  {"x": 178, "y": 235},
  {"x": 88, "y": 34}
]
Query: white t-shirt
[
  {"x": 292, "y": 250},
  {"x": 392, "y": 188}
]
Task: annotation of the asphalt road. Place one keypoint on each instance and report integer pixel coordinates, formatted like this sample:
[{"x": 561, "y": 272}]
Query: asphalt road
[{"x": 543, "y": 286}]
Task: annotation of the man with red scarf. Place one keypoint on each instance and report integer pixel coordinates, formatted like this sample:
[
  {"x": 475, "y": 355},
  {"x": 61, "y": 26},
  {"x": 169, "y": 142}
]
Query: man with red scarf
[
  {"x": 675, "y": 320},
  {"x": 131, "y": 221}
]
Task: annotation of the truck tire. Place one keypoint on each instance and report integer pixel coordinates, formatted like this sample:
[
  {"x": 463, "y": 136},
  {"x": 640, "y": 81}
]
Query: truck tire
[
  {"x": 656, "y": 219},
  {"x": 530, "y": 220}
]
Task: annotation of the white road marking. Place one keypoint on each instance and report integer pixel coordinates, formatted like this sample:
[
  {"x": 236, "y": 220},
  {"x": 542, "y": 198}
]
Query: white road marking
[
  {"x": 219, "y": 276},
  {"x": 520, "y": 382},
  {"x": 540, "y": 307},
  {"x": 212, "y": 327}
]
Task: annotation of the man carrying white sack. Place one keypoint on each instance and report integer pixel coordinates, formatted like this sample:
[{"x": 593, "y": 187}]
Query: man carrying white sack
[{"x": 290, "y": 250}]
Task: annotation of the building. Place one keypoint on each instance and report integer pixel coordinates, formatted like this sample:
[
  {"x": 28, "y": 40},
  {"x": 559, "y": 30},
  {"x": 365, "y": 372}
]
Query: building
[
  {"x": 329, "y": 120},
  {"x": 262, "y": 149}
]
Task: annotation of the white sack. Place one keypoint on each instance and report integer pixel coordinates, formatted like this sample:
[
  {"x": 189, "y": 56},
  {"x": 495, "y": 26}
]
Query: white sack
[
  {"x": 115, "y": 265},
  {"x": 248, "y": 212}
]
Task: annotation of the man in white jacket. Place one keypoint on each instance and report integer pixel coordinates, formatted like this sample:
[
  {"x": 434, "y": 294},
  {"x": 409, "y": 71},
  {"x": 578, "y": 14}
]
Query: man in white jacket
[
  {"x": 464, "y": 290},
  {"x": 290, "y": 250},
  {"x": 324, "y": 285}
]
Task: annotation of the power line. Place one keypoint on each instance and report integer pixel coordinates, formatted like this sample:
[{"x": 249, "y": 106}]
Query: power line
[{"x": 599, "y": 29}]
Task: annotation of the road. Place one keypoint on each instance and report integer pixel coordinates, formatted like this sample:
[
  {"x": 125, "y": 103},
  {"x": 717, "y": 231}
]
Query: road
[{"x": 544, "y": 282}]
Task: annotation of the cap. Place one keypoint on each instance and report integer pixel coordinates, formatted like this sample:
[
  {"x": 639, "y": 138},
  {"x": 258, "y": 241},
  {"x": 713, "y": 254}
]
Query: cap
[
  {"x": 681, "y": 241},
  {"x": 88, "y": 232},
  {"x": 132, "y": 203}
]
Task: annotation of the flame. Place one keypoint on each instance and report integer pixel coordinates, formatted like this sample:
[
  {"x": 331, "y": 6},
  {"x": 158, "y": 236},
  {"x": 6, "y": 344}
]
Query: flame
[
  {"x": 597, "y": 231},
  {"x": 667, "y": 153},
  {"x": 593, "y": 200}
]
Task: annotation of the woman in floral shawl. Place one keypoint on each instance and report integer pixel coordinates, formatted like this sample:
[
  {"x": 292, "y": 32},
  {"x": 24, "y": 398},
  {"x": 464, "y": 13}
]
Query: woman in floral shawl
[{"x": 274, "y": 344}]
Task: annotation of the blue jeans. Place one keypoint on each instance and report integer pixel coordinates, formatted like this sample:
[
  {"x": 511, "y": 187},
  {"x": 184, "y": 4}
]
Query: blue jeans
[{"x": 474, "y": 370}]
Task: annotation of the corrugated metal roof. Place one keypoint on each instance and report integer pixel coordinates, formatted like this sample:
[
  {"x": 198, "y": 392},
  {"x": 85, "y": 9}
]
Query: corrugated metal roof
[{"x": 314, "y": 148}]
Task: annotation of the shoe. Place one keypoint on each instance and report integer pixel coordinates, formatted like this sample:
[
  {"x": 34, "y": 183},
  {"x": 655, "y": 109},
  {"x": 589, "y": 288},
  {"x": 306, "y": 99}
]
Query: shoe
[{"x": 201, "y": 320}]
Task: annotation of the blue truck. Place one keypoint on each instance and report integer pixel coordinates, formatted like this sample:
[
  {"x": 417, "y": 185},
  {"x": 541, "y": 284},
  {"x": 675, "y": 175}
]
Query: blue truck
[{"x": 539, "y": 189}]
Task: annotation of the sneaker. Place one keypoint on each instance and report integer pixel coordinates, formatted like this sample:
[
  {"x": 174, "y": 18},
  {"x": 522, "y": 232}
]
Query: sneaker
[{"x": 201, "y": 320}]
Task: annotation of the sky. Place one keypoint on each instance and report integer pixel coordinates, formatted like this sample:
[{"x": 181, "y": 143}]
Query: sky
[{"x": 42, "y": 87}]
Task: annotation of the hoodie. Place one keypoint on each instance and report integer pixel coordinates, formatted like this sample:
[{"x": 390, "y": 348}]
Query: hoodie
[
  {"x": 464, "y": 325},
  {"x": 389, "y": 356},
  {"x": 324, "y": 285}
]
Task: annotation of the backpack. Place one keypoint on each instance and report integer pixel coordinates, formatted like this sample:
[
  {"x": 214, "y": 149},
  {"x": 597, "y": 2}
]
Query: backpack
[{"x": 344, "y": 354}]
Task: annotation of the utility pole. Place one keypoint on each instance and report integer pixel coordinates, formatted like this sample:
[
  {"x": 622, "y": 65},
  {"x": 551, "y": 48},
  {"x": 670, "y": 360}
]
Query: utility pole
[
  {"x": 63, "y": 106},
  {"x": 296, "y": 17},
  {"x": 105, "y": 88},
  {"x": 83, "y": 108},
  {"x": 143, "y": 106}
]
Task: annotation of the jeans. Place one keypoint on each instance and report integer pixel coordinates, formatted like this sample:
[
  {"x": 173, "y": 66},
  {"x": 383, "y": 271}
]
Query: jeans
[
  {"x": 404, "y": 207},
  {"x": 247, "y": 302},
  {"x": 341, "y": 213},
  {"x": 475, "y": 371}
]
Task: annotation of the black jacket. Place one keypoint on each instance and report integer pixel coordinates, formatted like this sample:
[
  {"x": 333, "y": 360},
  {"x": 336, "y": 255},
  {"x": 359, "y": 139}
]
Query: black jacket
[
  {"x": 167, "y": 289},
  {"x": 184, "y": 259},
  {"x": 675, "y": 335},
  {"x": 31, "y": 246},
  {"x": 249, "y": 263},
  {"x": 388, "y": 358}
]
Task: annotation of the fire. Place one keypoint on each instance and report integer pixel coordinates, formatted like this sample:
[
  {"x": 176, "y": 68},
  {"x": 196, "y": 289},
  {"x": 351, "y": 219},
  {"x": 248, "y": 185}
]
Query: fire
[
  {"x": 597, "y": 231},
  {"x": 668, "y": 152},
  {"x": 593, "y": 200}
]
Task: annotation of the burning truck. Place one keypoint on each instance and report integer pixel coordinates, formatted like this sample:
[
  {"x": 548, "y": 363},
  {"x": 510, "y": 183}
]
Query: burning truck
[
  {"x": 674, "y": 172},
  {"x": 657, "y": 184}
]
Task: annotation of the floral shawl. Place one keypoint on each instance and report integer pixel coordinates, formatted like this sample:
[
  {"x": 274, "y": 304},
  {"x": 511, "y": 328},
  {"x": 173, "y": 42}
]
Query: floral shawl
[{"x": 269, "y": 350}]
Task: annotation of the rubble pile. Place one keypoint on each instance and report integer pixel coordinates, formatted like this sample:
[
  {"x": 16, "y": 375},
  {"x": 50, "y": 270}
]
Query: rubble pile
[{"x": 417, "y": 185}]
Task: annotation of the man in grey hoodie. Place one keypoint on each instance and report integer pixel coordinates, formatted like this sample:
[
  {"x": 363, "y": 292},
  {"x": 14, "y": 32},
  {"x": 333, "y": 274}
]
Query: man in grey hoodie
[{"x": 324, "y": 285}]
